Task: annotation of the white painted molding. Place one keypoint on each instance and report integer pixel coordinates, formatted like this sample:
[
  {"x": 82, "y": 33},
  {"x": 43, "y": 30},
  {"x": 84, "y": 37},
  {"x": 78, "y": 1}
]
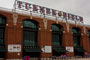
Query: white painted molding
[
  {"x": 15, "y": 17},
  {"x": 45, "y": 23}
]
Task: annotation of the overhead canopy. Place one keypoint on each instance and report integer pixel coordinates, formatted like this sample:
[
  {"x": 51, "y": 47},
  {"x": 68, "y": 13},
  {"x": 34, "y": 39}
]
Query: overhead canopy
[
  {"x": 59, "y": 49},
  {"x": 32, "y": 49},
  {"x": 79, "y": 49}
]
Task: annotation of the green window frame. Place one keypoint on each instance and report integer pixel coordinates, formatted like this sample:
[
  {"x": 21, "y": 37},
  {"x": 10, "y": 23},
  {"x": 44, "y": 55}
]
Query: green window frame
[
  {"x": 30, "y": 29},
  {"x": 56, "y": 35}
]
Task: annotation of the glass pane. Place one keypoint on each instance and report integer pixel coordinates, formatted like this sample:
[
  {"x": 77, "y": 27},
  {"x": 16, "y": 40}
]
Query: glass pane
[
  {"x": 55, "y": 40},
  {"x": 89, "y": 32},
  {"x": 1, "y": 41},
  {"x": 1, "y": 33},
  {"x": 29, "y": 24},
  {"x": 76, "y": 36},
  {"x": 29, "y": 38},
  {"x": 74, "y": 30},
  {"x": 76, "y": 41},
  {"x": 55, "y": 28},
  {"x": 2, "y": 20}
]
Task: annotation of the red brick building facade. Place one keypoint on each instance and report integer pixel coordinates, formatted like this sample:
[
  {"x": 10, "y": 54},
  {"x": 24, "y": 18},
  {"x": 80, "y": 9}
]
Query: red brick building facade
[{"x": 13, "y": 34}]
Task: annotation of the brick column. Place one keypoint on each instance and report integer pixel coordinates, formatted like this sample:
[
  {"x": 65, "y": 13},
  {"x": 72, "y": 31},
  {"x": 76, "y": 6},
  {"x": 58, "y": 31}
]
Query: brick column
[
  {"x": 68, "y": 42},
  {"x": 68, "y": 38},
  {"x": 44, "y": 39},
  {"x": 85, "y": 41},
  {"x": 13, "y": 37}
]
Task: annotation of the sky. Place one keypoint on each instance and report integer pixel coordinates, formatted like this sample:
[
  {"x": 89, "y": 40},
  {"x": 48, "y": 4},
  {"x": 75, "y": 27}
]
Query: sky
[{"x": 77, "y": 7}]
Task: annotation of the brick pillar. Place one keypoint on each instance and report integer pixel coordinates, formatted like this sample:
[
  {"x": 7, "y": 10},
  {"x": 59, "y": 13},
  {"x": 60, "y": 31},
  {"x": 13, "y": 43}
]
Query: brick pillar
[
  {"x": 85, "y": 41},
  {"x": 44, "y": 39},
  {"x": 13, "y": 39},
  {"x": 68, "y": 42},
  {"x": 88, "y": 42}
]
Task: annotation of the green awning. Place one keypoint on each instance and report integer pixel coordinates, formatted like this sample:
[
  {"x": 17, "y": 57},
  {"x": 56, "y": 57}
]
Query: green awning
[
  {"x": 33, "y": 49},
  {"x": 2, "y": 49},
  {"x": 59, "y": 49},
  {"x": 79, "y": 49}
]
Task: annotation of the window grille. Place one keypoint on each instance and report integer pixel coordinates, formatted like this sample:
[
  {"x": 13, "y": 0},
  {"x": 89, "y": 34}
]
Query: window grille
[{"x": 30, "y": 30}]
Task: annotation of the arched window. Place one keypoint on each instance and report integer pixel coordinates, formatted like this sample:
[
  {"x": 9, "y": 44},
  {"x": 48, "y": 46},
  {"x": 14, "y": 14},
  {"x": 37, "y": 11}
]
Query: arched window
[
  {"x": 76, "y": 36},
  {"x": 56, "y": 35},
  {"x": 57, "y": 46},
  {"x": 2, "y": 36},
  {"x": 78, "y": 49},
  {"x": 30, "y": 29}
]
